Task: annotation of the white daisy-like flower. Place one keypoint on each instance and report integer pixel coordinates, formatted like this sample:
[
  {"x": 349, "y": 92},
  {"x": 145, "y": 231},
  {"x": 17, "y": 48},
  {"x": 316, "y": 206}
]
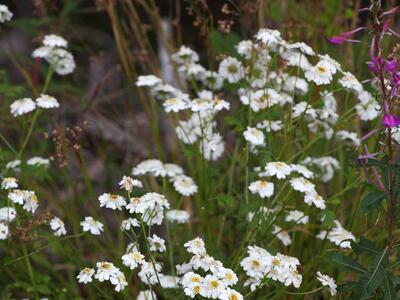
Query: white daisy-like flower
[
  {"x": 185, "y": 55},
  {"x": 156, "y": 243},
  {"x": 245, "y": 48},
  {"x": 149, "y": 272},
  {"x": 132, "y": 259},
  {"x": 262, "y": 187},
  {"x": 58, "y": 226},
  {"x": 5, "y": 14},
  {"x": 302, "y": 170},
  {"x": 184, "y": 185},
  {"x": 22, "y": 106},
  {"x": 112, "y": 201},
  {"x": 128, "y": 183},
  {"x": 270, "y": 37},
  {"x": 212, "y": 287},
  {"x": 368, "y": 108},
  {"x": 254, "y": 136},
  {"x": 270, "y": 126},
  {"x": 169, "y": 282},
  {"x": 147, "y": 295},
  {"x": 31, "y": 203},
  {"x": 52, "y": 40},
  {"x": 175, "y": 105},
  {"x": 38, "y": 161},
  {"x": 350, "y": 82},
  {"x": 13, "y": 164},
  {"x": 303, "y": 47},
  {"x": 231, "y": 69},
  {"x": 296, "y": 216},
  {"x": 47, "y": 101},
  {"x": 7, "y": 214},
  {"x": 349, "y": 138},
  {"x": 338, "y": 235},
  {"x": 105, "y": 270},
  {"x": 85, "y": 275},
  {"x": 278, "y": 169},
  {"x": 282, "y": 235},
  {"x": 314, "y": 198},
  {"x": 129, "y": 223},
  {"x": 119, "y": 281},
  {"x": 302, "y": 184},
  {"x": 321, "y": 73},
  {"x": 327, "y": 281},
  {"x": 178, "y": 216},
  {"x": 3, "y": 231},
  {"x": 148, "y": 80},
  {"x": 195, "y": 246},
  {"x": 91, "y": 225},
  {"x": 231, "y": 294},
  {"x": 9, "y": 183}
]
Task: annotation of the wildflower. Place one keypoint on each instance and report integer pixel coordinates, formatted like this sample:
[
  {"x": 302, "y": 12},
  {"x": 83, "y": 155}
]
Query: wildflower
[
  {"x": 178, "y": 216},
  {"x": 31, "y": 203},
  {"x": 231, "y": 69},
  {"x": 14, "y": 164},
  {"x": 192, "y": 284},
  {"x": 350, "y": 82},
  {"x": 230, "y": 294},
  {"x": 105, "y": 270},
  {"x": 22, "y": 106},
  {"x": 5, "y": 14},
  {"x": 7, "y": 214},
  {"x": 119, "y": 281},
  {"x": 156, "y": 243},
  {"x": 212, "y": 287},
  {"x": 195, "y": 246},
  {"x": 271, "y": 38},
  {"x": 90, "y": 224},
  {"x": 262, "y": 187},
  {"x": 296, "y": 216},
  {"x": 184, "y": 185},
  {"x": 148, "y": 272},
  {"x": 302, "y": 185},
  {"x": 278, "y": 169},
  {"x": 169, "y": 282},
  {"x": 338, "y": 235},
  {"x": 9, "y": 183},
  {"x": 175, "y": 105},
  {"x": 254, "y": 136},
  {"x": 129, "y": 223},
  {"x": 53, "y": 40},
  {"x": 227, "y": 276},
  {"x": 46, "y": 101},
  {"x": 147, "y": 295},
  {"x": 58, "y": 226},
  {"x": 148, "y": 80},
  {"x": 296, "y": 85},
  {"x": 349, "y": 138},
  {"x": 313, "y": 197},
  {"x": 85, "y": 275},
  {"x": 368, "y": 108},
  {"x": 282, "y": 235},
  {"x": 303, "y": 47},
  {"x": 38, "y": 161},
  {"x": 132, "y": 259},
  {"x": 389, "y": 120},
  {"x": 302, "y": 170},
  {"x": 327, "y": 281},
  {"x": 270, "y": 126},
  {"x": 321, "y": 73},
  {"x": 326, "y": 165},
  {"x": 112, "y": 201},
  {"x": 127, "y": 183},
  {"x": 212, "y": 147},
  {"x": 3, "y": 231},
  {"x": 185, "y": 55},
  {"x": 245, "y": 48}
]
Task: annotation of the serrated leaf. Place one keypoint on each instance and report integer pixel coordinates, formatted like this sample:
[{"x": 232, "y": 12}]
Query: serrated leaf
[{"x": 344, "y": 262}]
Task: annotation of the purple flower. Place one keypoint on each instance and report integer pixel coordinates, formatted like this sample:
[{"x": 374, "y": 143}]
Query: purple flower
[
  {"x": 390, "y": 121},
  {"x": 344, "y": 37}
]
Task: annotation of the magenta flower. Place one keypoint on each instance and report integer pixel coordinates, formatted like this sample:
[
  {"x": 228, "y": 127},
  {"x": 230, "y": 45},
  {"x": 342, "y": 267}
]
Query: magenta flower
[
  {"x": 390, "y": 121},
  {"x": 344, "y": 37}
]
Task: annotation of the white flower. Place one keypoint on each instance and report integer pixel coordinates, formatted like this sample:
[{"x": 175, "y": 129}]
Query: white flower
[
  {"x": 156, "y": 243},
  {"x": 184, "y": 185},
  {"x": 169, "y": 282},
  {"x": 296, "y": 216},
  {"x": 149, "y": 272},
  {"x": 195, "y": 246},
  {"x": 22, "y": 106},
  {"x": 105, "y": 270},
  {"x": 302, "y": 185},
  {"x": 278, "y": 169},
  {"x": 5, "y": 13},
  {"x": 226, "y": 275},
  {"x": 127, "y": 183},
  {"x": 153, "y": 166},
  {"x": 90, "y": 224},
  {"x": 148, "y": 80},
  {"x": 7, "y": 214},
  {"x": 349, "y": 138},
  {"x": 147, "y": 295},
  {"x": 368, "y": 108},
  {"x": 3, "y": 231},
  {"x": 245, "y": 48},
  {"x": 38, "y": 161},
  {"x": 321, "y": 73},
  {"x": 271, "y": 38},
  {"x": 327, "y": 281},
  {"x": 47, "y": 101},
  {"x": 254, "y": 136},
  {"x": 326, "y": 165},
  {"x": 230, "y": 294},
  {"x": 302, "y": 170},
  {"x": 179, "y": 216},
  {"x": 85, "y": 275},
  {"x": 9, "y": 183},
  {"x": 175, "y": 105},
  {"x": 282, "y": 235},
  {"x": 338, "y": 235},
  {"x": 52, "y": 40},
  {"x": 350, "y": 82},
  {"x": 314, "y": 198},
  {"x": 58, "y": 226},
  {"x": 31, "y": 203},
  {"x": 14, "y": 164},
  {"x": 212, "y": 287},
  {"x": 270, "y": 126},
  {"x": 231, "y": 69},
  {"x": 262, "y": 187},
  {"x": 119, "y": 281},
  {"x": 303, "y": 47},
  {"x": 112, "y": 201},
  {"x": 212, "y": 147},
  {"x": 185, "y": 55},
  {"x": 132, "y": 259},
  {"x": 129, "y": 223}
]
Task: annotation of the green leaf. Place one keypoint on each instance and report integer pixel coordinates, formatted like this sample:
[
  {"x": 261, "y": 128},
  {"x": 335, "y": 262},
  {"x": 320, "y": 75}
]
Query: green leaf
[
  {"x": 372, "y": 201},
  {"x": 364, "y": 246},
  {"x": 389, "y": 293},
  {"x": 373, "y": 278},
  {"x": 344, "y": 262}
]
